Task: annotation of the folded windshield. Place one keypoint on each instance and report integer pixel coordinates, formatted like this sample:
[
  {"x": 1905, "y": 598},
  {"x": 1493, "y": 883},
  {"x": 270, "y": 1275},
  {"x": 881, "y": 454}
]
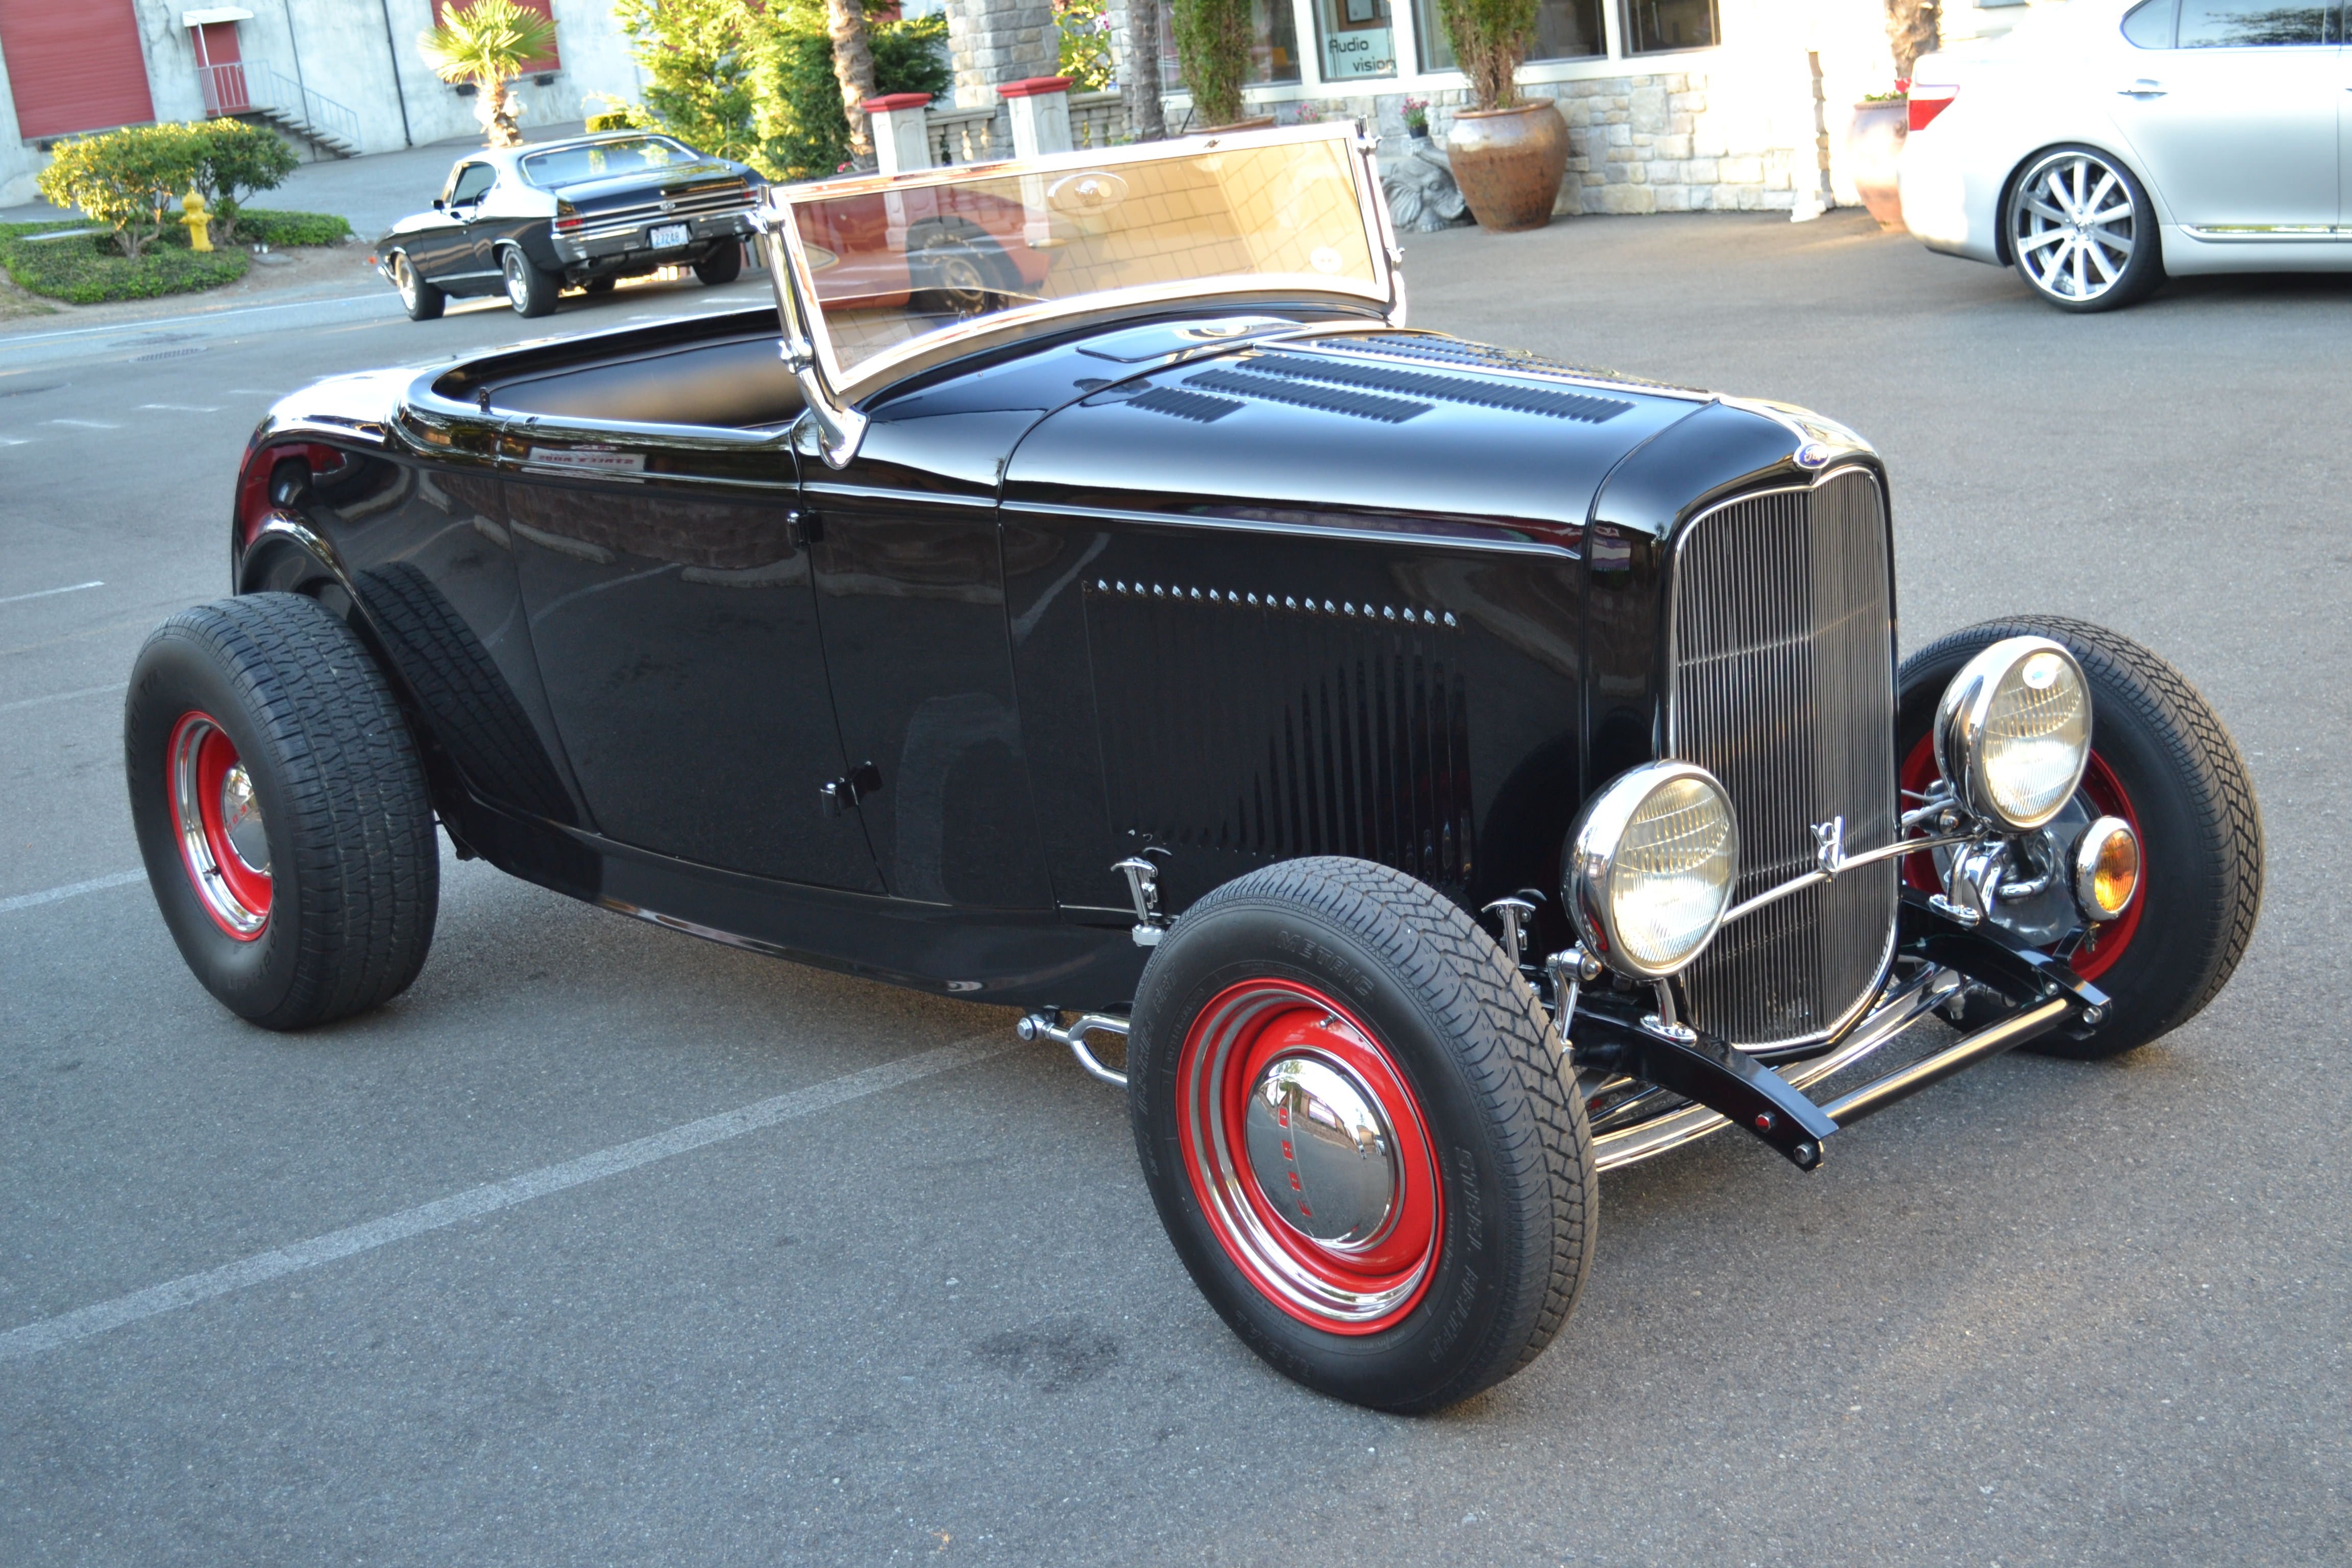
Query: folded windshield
[{"x": 892, "y": 264}]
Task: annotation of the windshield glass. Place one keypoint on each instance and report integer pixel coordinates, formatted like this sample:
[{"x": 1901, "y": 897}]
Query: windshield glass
[
  {"x": 603, "y": 159},
  {"x": 892, "y": 265}
]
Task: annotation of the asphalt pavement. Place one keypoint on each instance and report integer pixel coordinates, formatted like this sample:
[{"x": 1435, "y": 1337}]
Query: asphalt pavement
[{"x": 602, "y": 1244}]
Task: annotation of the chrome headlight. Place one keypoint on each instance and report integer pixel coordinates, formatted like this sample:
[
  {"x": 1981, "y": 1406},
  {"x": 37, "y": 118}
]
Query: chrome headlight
[
  {"x": 2013, "y": 732},
  {"x": 1651, "y": 864}
]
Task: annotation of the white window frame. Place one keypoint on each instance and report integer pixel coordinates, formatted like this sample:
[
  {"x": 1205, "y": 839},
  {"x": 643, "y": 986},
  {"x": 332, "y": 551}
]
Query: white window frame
[{"x": 1412, "y": 79}]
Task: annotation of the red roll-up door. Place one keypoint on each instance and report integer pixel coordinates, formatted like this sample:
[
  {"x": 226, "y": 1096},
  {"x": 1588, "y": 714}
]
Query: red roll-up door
[
  {"x": 74, "y": 68},
  {"x": 546, "y": 62}
]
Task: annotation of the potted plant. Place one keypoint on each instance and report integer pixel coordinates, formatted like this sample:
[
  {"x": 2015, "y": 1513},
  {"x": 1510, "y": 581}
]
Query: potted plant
[
  {"x": 1508, "y": 154},
  {"x": 1213, "y": 51},
  {"x": 1873, "y": 151}
]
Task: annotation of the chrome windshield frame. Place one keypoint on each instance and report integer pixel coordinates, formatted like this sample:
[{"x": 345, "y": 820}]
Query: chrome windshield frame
[{"x": 833, "y": 394}]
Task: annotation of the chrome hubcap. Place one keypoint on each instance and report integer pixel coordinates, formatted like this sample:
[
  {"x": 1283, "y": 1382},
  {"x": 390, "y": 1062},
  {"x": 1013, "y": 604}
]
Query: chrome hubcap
[
  {"x": 241, "y": 823},
  {"x": 1323, "y": 1156},
  {"x": 2074, "y": 227},
  {"x": 514, "y": 289}
]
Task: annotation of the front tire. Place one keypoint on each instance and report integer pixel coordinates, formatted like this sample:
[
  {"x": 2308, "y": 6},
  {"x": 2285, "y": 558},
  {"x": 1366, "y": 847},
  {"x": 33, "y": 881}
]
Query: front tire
[
  {"x": 1351, "y": 1118},
  {"x": 281, "y": 810},
  {"x": 2161, "y": 760},
  {"x": 2082, "y": 232},
  {"x": 423, "y": 301},
  {"x": 529, "y": 290}
]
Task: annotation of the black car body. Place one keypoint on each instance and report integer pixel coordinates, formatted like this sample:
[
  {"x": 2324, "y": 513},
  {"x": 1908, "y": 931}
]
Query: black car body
[
  {"x": 582, "y": 211},
  {"x": 1106, "y": 605}
]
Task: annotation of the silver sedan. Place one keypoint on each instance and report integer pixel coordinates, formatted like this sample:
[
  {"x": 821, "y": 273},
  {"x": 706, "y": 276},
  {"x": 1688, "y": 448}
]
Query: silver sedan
[{"x": 2108, "y": 143}]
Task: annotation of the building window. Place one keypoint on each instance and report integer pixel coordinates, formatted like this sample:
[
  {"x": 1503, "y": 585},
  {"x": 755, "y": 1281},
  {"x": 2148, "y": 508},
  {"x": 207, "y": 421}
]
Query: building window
[
  {"x": 1565, "y": 31},
  {"x": 1654, "y": 25},
  {"x": 1357, "y": 40},
  {"x": 1274, "y": 44}
]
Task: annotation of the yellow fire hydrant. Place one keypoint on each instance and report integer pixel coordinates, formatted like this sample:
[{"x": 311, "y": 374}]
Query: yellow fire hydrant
[{"x": 199, "y": 222}]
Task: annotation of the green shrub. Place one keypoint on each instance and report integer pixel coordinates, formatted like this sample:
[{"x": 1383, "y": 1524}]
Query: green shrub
[
  {"x": 610, "y": 120},
  {"x": 238, "y": 161},
  {"x": 127, "y": 180},
  {"x": 258, "y": 226},
  {"x": 1212, "y": 51},
  {"x": 1085, "y": 26},
  {"x": 805, "y": 132},
  {"x": 86, "y": 270},
  {"x": 755, "y": 83},
  {"x": 1489, "y": 39}
]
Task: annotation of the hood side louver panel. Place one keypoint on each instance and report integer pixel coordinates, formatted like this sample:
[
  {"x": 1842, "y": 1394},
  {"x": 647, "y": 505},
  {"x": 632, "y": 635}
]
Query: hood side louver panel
[{"x": 1248, "y": 732}]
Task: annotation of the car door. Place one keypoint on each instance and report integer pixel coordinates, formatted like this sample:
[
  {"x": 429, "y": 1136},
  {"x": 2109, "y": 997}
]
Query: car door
[
  {"x": 911, "y": 587},
  {"x": 2236, "y": 122},
  {"x": 669, "y": 600},
  {"x": 457, "y": 257}
]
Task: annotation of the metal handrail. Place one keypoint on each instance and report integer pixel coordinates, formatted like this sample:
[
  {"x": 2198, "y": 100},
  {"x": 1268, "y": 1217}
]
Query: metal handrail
[{"x": 254, "y": 87}]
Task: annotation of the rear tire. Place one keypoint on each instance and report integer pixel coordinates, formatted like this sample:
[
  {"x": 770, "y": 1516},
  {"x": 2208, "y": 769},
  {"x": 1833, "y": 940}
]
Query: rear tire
[
  {"x": 423, "y": 301},
  {"x": 2082, "y": 232},
  {"x": 1489, "y": 1195},
  {"x": 723, "y": 265},
  {"x": 281, "y": 810},
  {"x": 2161, "y": 760},
  {"x": 530, "y": 291}
]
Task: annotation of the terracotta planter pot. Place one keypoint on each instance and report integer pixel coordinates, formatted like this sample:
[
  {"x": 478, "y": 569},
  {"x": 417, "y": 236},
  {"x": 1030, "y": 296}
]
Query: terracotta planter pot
[
  {"x": 1255, "y": 123},
  {"x": 1509, "y": 162},
  {"x": 1873, "y": 151}
]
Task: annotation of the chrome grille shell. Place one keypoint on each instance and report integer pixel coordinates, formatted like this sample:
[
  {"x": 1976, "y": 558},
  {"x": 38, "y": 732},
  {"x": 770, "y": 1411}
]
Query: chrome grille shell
[{"x": 1780, "y": 610}]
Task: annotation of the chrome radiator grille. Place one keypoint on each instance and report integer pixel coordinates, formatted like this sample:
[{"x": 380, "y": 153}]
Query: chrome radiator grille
[{"x": 1784, "y": 689}]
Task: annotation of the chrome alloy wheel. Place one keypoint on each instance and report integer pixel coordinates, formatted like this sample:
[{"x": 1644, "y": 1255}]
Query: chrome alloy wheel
[
  {"x": 2074, "y": 226},
  {"x": 517, "y": 280},
  {"x": 404, "y": 277},
  {"x": 224, "y": 842},
  {"x": 1309, "y": 1156}
]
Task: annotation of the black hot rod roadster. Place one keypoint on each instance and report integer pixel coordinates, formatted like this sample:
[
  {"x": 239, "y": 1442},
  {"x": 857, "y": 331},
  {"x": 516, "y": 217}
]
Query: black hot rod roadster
[{"x": 1445, "y": 773}]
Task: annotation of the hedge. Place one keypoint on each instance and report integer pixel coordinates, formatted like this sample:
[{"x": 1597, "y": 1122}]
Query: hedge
[
  {"x": 257, "y": 226},
  {"x": 86, "y": 270}
]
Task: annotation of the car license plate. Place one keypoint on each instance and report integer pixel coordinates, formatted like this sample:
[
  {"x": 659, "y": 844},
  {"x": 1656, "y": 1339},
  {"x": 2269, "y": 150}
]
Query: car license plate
[{"x": 671, "y": 234}]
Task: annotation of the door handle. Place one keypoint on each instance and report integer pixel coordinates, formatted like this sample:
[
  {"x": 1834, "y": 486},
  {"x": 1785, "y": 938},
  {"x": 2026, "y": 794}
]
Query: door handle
[{"x": 2143, "y": 87}]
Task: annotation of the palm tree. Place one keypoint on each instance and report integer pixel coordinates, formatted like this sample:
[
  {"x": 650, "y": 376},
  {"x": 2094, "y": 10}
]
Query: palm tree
[
  {"x": 487, "y": 43},
  {"x": 853, "y": 69}
]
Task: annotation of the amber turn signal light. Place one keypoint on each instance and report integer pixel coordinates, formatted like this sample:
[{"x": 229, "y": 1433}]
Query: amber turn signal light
[{"x": 2107, "y": 868}]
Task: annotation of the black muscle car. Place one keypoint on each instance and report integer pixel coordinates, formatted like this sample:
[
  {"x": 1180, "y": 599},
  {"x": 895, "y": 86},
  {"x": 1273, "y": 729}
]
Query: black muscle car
[
  {"x": 1422, "y": 774},
  {"x": 533, "y": 221}
]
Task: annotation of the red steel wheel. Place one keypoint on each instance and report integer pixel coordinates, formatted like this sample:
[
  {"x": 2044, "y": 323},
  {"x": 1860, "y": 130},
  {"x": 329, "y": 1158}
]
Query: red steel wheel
[
  {"x": 2162, "y": 761},
  {"x": 1351, "y": 1116},
  {"x": 1309, "y": 1156},
  {"x": 216, "y": 817}
]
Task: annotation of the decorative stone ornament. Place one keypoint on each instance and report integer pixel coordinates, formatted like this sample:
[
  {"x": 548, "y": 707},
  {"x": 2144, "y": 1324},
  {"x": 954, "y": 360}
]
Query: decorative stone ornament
[{"x": 1421, "y": 189}]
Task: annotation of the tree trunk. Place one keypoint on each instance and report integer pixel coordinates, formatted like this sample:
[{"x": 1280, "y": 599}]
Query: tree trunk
[
  {"x": 1914, "y": 27},
  {"x": 853, "y": 68},
  {"x": 1140, "y": 73}
]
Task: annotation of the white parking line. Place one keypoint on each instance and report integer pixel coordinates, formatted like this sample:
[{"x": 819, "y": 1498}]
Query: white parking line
[
  {"x": 47, "y": 593},
  {"x": 49, "y": 1333},
  {"x": 84, "y": 423},
  {"x": 183, "y": 407},
  {"x": 152, "y": 323},
  {"x": 24, "y": 703},
  {"x": 71, "y": 889}
]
